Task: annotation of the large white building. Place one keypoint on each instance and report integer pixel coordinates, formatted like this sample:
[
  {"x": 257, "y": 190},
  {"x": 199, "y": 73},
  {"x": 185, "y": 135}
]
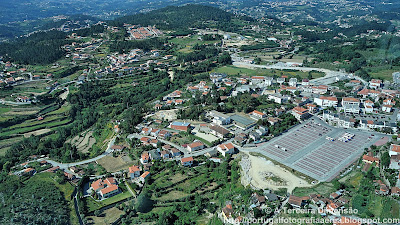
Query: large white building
[
  {"x": 220, "y": 118},
  {"x": 351, "y": 105},
  {"x": 325, "y": 102}
]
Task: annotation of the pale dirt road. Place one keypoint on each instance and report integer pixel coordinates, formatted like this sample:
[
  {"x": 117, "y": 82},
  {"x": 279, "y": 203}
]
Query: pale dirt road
[{"x": 254, "y": 170}]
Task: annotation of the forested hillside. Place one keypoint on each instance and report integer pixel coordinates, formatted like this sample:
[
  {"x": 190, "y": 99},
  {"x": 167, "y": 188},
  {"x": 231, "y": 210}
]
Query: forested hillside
[{"x": 174, "y": 17}]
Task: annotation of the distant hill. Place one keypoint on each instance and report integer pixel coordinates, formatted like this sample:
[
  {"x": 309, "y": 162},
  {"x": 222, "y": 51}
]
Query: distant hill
[{"x": 181, "y": 17}]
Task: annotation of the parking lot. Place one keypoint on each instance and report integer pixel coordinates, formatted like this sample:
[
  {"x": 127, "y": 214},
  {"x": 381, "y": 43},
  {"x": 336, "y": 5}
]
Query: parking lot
[{"x": 318, "y": 150}]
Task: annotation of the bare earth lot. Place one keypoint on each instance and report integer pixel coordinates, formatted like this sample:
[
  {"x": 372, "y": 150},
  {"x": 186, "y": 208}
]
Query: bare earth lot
[
  {"x": 255, "y": 171},
  {"x": 84, "y": 141},
  {"x": 112, "y": 164},
  {"x": 37, "y": 132},
  {"x": 166, "y": 114}
]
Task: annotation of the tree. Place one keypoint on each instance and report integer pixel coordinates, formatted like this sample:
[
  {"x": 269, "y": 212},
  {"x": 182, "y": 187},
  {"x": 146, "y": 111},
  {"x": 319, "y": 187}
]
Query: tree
[
  {"x": 385, "y": 159},
  {"x": 97, "y": 213},
  {"x": 143, "y": 202}
]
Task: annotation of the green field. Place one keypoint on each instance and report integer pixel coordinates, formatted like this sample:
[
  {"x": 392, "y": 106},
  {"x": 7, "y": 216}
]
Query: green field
[
  {"x": 238, "y": 71},
  {"x": 93, "y": 205},
  {"x": 323, "y": 188}
]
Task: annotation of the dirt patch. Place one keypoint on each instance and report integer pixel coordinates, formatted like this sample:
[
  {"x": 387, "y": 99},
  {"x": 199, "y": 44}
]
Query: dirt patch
[
  {"x": 107, "y": 217},
  {"x": 16, "y": 111},
  {"x": 64, "y": 95},
  {"x": 166, "y": 115},
  {"x": 115, "y": 164},
  {"x": 83, "y": 142},
  {"x": 37, "y": 132},
  {"x": 262, "y": 174}
]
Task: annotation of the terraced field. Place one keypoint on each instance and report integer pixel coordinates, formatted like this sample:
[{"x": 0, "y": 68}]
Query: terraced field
[{"x": 25, "y": 121}]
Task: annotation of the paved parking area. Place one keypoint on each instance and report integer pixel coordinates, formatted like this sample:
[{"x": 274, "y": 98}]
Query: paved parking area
[{"x": 314, "y": 149}]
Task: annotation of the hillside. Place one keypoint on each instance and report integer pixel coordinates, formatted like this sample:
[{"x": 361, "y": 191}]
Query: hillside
[{"x": 179, "y": 17}]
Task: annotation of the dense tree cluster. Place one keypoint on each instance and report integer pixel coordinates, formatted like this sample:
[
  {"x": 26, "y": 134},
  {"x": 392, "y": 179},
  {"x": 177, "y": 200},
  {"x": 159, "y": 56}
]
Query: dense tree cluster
[
  {"x": 173, "y": 17},
  {"x": 146, "y": 45},
  {"x": 35, "y": 202},
  {"x": 39, "y": 48}
]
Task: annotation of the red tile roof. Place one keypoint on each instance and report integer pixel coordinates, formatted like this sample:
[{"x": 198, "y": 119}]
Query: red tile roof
[
  {"x": 187, "y": 159},
  {"x": 133, "y": 169}
]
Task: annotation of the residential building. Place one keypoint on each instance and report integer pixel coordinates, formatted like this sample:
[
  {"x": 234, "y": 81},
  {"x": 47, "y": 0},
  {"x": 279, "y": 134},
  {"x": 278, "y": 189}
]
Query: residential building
[
  {"x": 305, "y": 82},
  {"x": 278, "y": 98},
  {"x": 375, "y": 83},
  {"x": 109, "y": 191},
  {"x": 220, "y": 118},
  {"x": 396, "y": 78},
  {"x": 394, "y": 150},
  {"x": 325, "y": 102},
  {"x": 105, "y": 188},
  {"x": 117, "y": 148},
  {"x": 370, "y": 159},
  {"x": 29, "y": 171},
  {"x": 165, "y": 154},
  {"x": 134, "y": 171},
  {"x": 257, "y": 115},
  {"x": 195, "y": 146},
  {"x": 145, "y": 158},
  {"x": 351, "y": 105},
  {"x": 188, "y": 161},
  {"x": 387, "y": 108},
  {"x": 164, "y": 134},
  {"x": 219, "y": 131},
  {"x": 296, "y": 202},
  {"x": 182, "y": 126},
  {"x": 269, "y": 81},
  {"x": 300, "y": 113},
  {"x": 154, "y": 154},
  {"x": 144, "y": 176},
  {"x": 175, "y": 152},
  {"x": 293, "y": 82},
  {"x": 226, "y": 149}
]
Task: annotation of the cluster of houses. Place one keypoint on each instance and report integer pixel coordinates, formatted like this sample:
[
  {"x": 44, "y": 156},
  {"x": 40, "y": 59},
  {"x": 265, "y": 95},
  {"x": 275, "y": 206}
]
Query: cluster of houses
[
  {"x": 259, "y": 201},
  {"x": 137, "y": 32},
  {"x": 370, "y": 160}
]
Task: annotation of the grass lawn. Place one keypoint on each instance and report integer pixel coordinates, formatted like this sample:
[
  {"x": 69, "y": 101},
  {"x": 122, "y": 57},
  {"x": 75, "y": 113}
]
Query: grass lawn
[
  {"x": 107, "y": 217},
  {"x": 383, "y": 72},
  {"x": 116, "y": 198},
  {"x": 322, "y": 188},
  {"x": 93, "y": 205},
  {"x": 61, "y": 110},
  {"x": 172, "y": 195},
  {"x": 3, "y": 151},
  {"x": 354, "y": 178},
  {"x": 4, "y": 110},
  {"x": 239, "y": 71},
  {"x": 114, "y": 164}
]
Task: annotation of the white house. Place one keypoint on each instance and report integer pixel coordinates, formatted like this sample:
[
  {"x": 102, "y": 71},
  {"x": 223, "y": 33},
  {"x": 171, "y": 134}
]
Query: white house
[
  {"x": 197, "y": 145},
  {"x": 394, "y": 150},
  {"x": 220, "y": 118},
  {"x": 375, "y": 83},
  {"x": 324, "y": 101},
  {"x": 351, "y": 105},
  {"x": 226, "y": 149},
  {"x": 293, "y": 82}
]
